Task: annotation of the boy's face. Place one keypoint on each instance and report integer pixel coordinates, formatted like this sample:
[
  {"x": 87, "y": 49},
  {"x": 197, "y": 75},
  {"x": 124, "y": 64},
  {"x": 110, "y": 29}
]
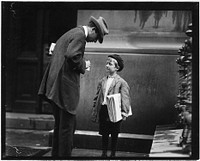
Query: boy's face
[{"x": 111, "y": 65}]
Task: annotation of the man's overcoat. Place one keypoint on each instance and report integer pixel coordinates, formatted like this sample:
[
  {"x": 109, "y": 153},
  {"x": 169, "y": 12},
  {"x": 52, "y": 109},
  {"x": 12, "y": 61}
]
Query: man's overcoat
[{"x": 61, "y": 80}]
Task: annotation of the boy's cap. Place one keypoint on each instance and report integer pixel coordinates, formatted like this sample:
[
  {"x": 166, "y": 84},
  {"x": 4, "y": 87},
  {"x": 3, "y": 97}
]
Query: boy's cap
[
  {"x": 119, "y": 60},
  {"x": 101, "y": 25}
]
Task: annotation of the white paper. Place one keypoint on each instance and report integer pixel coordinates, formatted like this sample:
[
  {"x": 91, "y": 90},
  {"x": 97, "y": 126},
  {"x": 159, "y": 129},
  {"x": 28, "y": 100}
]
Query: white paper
[
  {"x": 130, "y": 111},
  {"x": 114, "y": 107},
  {"x": 87, "y": 65},
  {"x": 51, "y": 48}
]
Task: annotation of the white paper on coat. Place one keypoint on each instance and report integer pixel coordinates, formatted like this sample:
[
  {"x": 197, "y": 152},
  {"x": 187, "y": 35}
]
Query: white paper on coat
[
  {"x": 88, "y": 63},
  {"x": 51, "y": 48}
]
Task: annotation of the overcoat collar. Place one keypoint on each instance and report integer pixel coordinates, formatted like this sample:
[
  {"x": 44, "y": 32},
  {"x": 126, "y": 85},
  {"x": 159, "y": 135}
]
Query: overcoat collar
[
  {"x": 82, "y": 28},
  {"x": 85, "y": 30}
]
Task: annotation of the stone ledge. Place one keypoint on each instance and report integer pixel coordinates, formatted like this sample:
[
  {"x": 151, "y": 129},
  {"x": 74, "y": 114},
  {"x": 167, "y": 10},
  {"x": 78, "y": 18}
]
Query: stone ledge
[
  {"x": 136, "y": 143},
  {"x": 29, "y": 121}
]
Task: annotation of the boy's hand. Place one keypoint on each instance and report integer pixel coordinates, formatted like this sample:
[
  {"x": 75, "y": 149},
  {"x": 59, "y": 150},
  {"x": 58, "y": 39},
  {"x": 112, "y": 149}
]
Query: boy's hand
[{"x": 123, "y": 118}]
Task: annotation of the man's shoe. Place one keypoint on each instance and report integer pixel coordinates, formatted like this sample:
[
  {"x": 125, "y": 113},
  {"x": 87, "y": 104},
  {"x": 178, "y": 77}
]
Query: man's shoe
[{"x": 112, "y": 155}]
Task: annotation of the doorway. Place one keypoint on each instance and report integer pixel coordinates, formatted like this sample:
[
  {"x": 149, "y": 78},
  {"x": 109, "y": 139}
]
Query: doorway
[{"x": 30, "y": 28}]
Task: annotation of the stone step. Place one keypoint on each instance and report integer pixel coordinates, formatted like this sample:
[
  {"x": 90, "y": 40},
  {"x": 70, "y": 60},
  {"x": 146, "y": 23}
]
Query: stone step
[
  {"x": 34, "y": 143},
  {"x": 126, "y": 142},
  {"x": 27, "y": 138},
  {"x": 82, "y": 139},
  {"x": 29, "y": 121},
  {"x": 33, "y": 133},
  {"x": 21, "y": 142}
]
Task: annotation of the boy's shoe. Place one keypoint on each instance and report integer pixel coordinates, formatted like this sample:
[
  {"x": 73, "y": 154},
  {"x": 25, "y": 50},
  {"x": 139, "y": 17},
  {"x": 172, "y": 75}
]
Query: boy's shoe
[{"x": 104, "y": 154}]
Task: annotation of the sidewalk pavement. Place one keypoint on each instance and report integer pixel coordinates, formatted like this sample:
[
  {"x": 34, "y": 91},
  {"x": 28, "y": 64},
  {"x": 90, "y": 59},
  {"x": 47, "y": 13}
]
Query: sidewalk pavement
[
  {"x": 36, "y": 142},
  {"x": 165, "y": 145}
]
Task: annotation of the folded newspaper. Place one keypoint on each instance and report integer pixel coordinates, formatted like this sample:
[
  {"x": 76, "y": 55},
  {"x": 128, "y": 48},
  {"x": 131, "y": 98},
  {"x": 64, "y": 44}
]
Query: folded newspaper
[
  {"x": 114, "y": 107},
  {"x": 51, "y": 48}
]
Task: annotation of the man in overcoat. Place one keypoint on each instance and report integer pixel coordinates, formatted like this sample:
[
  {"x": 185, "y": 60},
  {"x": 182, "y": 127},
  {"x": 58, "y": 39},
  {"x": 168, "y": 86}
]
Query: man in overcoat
[{"x": 61, "y": 81}]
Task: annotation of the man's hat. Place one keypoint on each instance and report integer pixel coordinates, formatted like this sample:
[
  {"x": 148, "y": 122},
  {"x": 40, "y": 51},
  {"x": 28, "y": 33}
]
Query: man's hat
[
  {"x": 101, "y": 26},
  {"x": 119, "y": 60}
]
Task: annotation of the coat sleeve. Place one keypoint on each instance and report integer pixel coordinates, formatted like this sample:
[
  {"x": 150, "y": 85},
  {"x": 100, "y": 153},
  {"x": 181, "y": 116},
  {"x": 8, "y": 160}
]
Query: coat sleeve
[
  {"x": 75, "y": 53},
  {"x": 125, "y": 97},
  {"x": 95, "y": 100}
]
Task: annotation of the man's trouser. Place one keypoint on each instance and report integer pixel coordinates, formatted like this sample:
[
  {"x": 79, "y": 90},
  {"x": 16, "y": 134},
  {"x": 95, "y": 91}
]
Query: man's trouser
[{"x": 64, "y": 128}]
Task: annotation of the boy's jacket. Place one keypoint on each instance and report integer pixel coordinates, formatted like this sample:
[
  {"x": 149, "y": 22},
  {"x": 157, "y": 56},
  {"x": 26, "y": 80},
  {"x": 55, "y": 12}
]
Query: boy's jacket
[{"x": 118, "y": 85}]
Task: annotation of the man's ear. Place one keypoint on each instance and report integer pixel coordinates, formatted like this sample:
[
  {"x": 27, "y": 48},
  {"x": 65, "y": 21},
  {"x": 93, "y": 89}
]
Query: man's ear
[{"x": 93, "y": 29}]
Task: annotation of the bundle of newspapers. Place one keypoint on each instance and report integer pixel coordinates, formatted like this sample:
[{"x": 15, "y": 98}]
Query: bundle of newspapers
[{"x": 114, "y": 107}]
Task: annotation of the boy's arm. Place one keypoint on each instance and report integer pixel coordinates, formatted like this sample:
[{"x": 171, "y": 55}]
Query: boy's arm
[{"x": 125, "y": 99}]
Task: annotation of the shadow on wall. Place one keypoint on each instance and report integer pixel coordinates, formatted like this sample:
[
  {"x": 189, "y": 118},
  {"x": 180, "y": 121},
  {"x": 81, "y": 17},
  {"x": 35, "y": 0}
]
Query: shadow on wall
[{"x": 140, "y": 20}]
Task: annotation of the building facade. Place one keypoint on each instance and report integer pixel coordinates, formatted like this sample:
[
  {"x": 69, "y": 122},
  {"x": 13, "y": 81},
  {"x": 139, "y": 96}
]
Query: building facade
[{"x": 147, "y": 40}]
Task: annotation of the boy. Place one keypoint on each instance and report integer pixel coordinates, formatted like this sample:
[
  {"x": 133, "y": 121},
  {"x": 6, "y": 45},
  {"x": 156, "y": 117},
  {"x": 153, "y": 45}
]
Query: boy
[{"x": 109, "y": 85}]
